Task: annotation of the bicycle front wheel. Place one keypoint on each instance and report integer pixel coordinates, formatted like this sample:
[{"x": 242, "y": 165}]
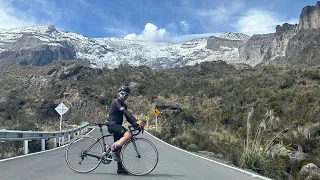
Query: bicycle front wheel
[
  {"x": 84, "y": 154},
  {"x": 139, "y": 157}
]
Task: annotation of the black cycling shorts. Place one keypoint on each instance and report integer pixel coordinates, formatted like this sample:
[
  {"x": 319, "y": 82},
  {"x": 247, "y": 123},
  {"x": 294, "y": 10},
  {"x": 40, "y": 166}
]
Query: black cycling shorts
[{"x": 117, "y": 131}]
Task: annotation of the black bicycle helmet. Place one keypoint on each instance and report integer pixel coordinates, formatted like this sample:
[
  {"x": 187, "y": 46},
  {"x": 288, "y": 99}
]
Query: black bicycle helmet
[{"x": 124, "y": 89}]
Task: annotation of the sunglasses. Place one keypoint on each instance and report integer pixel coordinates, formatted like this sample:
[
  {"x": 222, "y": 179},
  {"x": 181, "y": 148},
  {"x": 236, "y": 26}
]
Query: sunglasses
[{"x": 124, "y": 93}]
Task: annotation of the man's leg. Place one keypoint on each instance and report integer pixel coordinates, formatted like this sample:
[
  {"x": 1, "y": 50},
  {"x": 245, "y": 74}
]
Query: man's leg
[
  {"x": 119, "y": 143},
  {"x": 120, "y": 170},
  {"x": 126, "y": 136},
  {"x": 121, "y": 136}
]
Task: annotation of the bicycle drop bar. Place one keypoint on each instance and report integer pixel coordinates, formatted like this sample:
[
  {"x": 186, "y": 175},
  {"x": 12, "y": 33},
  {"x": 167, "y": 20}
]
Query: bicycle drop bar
[{"x": 133, "y": 130}]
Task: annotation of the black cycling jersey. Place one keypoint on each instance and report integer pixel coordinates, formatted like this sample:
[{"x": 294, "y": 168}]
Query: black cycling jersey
[{"x": 117, "y": 109}]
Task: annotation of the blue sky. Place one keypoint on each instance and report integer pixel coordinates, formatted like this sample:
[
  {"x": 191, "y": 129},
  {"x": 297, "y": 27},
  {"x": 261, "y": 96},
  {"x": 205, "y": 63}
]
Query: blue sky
[{"x": 153, "y": 20}]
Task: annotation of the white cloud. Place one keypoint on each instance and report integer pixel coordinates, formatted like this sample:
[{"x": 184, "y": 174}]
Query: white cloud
[
  {"x": 11, "y": 17},
  {"x": 236, "y": 16},
  {"x": 35, "y": 12},
  {"x": 185, "y": 26},
  {"x": 257, "y": 21},
  {"x": 209, "y": 17},
  {"x": 172, "y": 26},
  {"x": 150, "y": 33},
  {"x": 185, "y": 38},
  {"x": 217, "y": 15}
]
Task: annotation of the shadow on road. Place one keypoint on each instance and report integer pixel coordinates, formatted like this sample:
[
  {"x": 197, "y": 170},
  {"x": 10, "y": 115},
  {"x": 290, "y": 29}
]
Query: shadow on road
[
  {"x": 146, "y": 176},
  {"x": 164, "y": 175}
]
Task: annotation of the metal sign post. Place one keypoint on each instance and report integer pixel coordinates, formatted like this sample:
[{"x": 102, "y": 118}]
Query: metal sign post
[
  {"x": 61, "y": 109},
  {"x": 156, "y": 123},
  {"x": 147, "y": 119}
]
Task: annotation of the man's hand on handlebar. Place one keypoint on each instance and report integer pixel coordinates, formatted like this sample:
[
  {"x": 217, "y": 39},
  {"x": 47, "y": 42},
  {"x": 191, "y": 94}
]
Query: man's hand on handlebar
[{"x": 138, "y": 125}]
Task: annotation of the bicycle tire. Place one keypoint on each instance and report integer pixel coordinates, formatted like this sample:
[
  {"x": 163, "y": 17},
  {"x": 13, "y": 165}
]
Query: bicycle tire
[
  {"x": 78, "y": 146},
  {"x": 129, "y": 156}
]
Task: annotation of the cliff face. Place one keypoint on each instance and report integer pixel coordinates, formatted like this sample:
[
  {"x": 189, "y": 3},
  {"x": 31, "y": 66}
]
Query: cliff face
[
  {"x": 303, "y": 48},
  {"x": 218, "y": 44},
  {"x": 310, "y": 17},
  {"x": 29, "y": 50},
  {"x": 291, "y": 44},
  {"x": 225, "y": 49},
  {"x": 255, "y": 50}
]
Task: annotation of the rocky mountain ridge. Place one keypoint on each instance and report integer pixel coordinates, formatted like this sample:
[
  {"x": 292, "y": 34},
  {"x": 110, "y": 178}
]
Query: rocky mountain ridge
[
  {"x": 290, "y": 44},
  {"x": 39, "y": 45}
]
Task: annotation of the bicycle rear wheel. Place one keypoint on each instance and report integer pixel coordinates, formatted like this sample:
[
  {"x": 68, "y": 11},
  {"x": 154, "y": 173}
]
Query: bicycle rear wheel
[
  {"x": 139, "y": 157},
  {"x": 84, "y": 154}
]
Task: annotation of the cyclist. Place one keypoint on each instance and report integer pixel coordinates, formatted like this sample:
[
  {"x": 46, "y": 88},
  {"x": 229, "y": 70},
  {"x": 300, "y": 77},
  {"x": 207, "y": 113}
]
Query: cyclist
[{"x": 115, "y": 119}]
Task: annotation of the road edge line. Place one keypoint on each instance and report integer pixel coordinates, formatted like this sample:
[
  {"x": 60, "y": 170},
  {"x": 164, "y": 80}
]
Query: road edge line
[{"x": 235, "y": 168}]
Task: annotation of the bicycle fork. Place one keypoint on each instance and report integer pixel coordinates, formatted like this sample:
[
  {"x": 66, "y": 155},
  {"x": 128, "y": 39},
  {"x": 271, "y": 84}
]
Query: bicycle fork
[{"x": 135, "y": 147}]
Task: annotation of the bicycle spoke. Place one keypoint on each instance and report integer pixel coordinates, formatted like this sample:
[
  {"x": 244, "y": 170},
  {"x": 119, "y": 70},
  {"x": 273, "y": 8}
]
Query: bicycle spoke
[
  {"x": 78, "y": 155},
  {"x": 145, "y": 162}
]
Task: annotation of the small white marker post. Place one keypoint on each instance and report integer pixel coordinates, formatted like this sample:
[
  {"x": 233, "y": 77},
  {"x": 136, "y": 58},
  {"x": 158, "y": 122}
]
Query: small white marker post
[{"x": 61, "y": 109}]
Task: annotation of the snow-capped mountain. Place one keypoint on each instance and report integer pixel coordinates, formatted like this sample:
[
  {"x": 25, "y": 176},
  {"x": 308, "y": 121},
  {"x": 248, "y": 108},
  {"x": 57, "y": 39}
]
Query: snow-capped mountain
[{"x": 39, "y": 45}]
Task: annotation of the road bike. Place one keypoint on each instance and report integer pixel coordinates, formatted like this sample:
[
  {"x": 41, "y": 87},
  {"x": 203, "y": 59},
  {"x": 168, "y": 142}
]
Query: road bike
[{"x": 139, "y": 156}]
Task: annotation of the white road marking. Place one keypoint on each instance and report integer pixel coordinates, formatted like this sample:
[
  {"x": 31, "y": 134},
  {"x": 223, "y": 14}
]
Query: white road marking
[{"x": 238, "y": 169}]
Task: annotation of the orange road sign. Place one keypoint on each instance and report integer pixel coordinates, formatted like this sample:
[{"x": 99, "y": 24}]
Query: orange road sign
[{"x": 156, "y": 112}]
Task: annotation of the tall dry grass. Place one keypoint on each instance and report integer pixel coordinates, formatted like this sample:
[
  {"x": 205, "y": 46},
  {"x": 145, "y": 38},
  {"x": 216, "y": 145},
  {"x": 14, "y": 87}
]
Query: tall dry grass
[{"x": 256, "y": 155}]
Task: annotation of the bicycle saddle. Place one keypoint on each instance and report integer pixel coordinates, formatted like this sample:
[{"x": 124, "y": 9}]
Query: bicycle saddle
[{"x": 102, "y": 124}]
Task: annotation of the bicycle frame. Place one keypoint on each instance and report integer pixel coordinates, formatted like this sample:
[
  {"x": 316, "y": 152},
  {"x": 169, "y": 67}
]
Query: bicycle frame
[{"x": 85, "y": 152}]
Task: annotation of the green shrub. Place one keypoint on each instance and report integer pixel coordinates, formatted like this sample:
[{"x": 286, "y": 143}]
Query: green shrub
[
  {"x": 306, "y": 161},
  {"x": 312, "y": 74},
  {"x": 193, "y": 147},
  {"x": 301, "y": 122},
  {"x": 259, "y": 163}
]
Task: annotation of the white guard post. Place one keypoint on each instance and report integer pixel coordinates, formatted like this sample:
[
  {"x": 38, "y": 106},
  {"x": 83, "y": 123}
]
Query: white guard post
[{"x": 61, "y": 109}]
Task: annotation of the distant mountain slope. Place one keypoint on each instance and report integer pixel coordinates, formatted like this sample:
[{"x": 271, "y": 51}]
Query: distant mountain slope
[{"x": 39, "y": 45}]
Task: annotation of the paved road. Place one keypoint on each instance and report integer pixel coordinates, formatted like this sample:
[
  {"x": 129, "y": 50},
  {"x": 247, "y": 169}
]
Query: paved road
[{"x": 173, "y": 164}]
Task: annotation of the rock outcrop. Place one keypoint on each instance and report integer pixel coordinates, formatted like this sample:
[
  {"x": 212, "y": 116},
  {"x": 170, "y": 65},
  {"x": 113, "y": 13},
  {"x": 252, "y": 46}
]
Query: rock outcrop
[
  {"x": 291, "y": 44},
  {"x": 286, "y": 151},
  {"x": 256, "y": 49},
  {"x": 310, "y": 171},
  {"x": 30, "y": 50},
  {"x": 310, "y": 17}
]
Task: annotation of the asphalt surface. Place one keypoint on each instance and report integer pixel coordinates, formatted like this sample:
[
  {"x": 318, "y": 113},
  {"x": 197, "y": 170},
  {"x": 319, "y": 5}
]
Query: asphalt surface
[{"x": 173, "y": 164}]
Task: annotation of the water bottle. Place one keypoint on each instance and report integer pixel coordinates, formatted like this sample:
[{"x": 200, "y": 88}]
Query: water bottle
[{"x": 108, "y": 148}]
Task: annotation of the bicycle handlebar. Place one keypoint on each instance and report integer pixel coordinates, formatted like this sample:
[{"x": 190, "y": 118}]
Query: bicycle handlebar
[{"x": 133, "y": 130}]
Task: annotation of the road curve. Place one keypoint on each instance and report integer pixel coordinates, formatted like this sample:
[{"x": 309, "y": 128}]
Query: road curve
[{"x": 173, "y": 164}]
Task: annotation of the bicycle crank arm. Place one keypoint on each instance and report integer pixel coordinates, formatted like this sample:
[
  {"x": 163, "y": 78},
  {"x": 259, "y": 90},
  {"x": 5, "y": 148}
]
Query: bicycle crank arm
[
  {"x": 93, "y": 155},
  {"x": 109, "y": 159}
]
